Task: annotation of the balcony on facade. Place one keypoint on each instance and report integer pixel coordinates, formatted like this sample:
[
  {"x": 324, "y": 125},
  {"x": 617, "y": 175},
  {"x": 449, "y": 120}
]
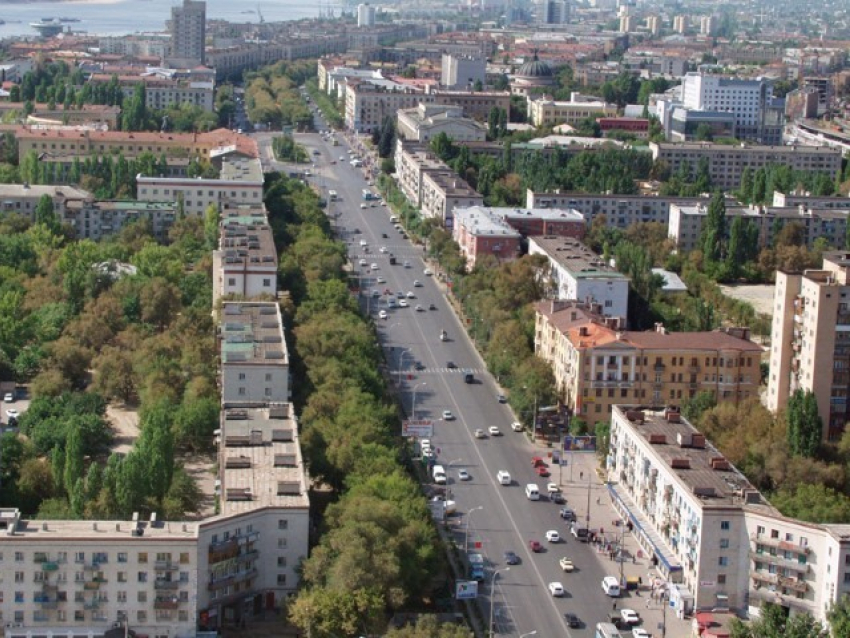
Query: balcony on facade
[
  {"x": 775, "y": 580},
  {"x": 217, "y": 582},
  {"x": 778, "y": 543},
  {"x": 780, "y": 561},
  {"x": 167, "y": 602},
  {"x": 165, "y": 584},
  {"x": 165, "y": 565}
]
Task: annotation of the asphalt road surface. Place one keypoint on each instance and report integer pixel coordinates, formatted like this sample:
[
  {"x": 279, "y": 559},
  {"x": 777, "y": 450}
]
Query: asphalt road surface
[{"x": 497, "y": 517}]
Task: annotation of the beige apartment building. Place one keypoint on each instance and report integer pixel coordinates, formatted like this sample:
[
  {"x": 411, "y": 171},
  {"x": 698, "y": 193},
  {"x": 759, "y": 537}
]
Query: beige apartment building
[
  {"x": 726, "y": 162},
  {"x": 597, "y": 364},
  {"x": 546, "y": 112},
  {"x": 369, "y": 102},
  {"x": 810, "y": 340}
]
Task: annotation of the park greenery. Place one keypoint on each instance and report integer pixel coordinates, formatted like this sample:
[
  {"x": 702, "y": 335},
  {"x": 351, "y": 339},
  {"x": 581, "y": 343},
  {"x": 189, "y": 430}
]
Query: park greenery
[
  {"x": 81, "y": 334},
  {"x": 272, "y": 96},
  {"x": 775, "y": 622},
  {"x": 378, "y": 551}
]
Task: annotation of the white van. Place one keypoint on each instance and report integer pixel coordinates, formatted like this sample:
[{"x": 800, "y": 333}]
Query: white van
[
  {"x": 439, "y": 474},
  {"x": 504, "y": 477},
  {"x": 611, "y": 586},
  {"x": 393, "y": 219},
  {"x": 532, "y": 492}
]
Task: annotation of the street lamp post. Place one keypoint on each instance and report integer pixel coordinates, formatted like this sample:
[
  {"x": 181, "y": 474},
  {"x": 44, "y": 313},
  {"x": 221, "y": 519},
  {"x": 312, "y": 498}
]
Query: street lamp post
[
  {"x": 413, "y": 404},
  {"x": 492, "y": 595},
  {"x": 468, "y": 518},
  {"x": 587, "y": 520},
  {"x": 401, "y": 363}
]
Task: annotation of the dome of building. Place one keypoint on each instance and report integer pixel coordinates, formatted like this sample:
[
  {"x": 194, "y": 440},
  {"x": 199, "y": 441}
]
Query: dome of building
[{"x": 535, "y": 68}]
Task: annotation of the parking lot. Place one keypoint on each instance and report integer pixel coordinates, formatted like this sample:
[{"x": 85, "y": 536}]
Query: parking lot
[{"x": 12, "y": 409}]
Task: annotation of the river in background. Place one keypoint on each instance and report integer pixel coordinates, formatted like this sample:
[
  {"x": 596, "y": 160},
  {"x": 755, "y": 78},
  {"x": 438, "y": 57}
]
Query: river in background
[{"x": 144, "y": 16}]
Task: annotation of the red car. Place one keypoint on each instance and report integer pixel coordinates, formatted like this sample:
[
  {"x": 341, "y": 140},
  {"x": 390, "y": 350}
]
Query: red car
[
  {"x": 536, "y": 461},
  {"x": 541, "y": 470},
  {"x": 535, "y": 546}
]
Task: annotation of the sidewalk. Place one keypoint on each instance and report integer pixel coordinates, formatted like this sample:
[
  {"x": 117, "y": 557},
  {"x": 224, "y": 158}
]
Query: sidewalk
[{"x": 578, "y": 479}]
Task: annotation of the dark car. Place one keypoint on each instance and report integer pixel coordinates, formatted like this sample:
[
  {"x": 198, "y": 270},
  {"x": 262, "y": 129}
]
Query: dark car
[
  {"x": 419, "y": 365},
  {"x": 432, "y": 307},
  {"x": 450, "y": 365},
  {"x": 511, "y": 558},
  {"x": 384, "y": 235},
  {"x": 572, "y": 620},
  {"x": 567, "y": 514},
  {"x": 558, "y": 498}
]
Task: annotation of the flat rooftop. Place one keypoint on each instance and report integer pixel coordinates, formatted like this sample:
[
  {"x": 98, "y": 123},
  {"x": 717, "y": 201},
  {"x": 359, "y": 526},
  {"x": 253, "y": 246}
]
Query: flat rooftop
[
  {"x": 18, "y": 191},
  {"x": 260, "y": 459},
  {"x": 481, "y": 221},
  {"x": 236, "y": 169},
  {"x": 575, "y": 257},
  {"x": 452, "y": 184},
  {"x": 126, "y": 532},
  {"x": 743, "y": 148},
  {"x": 252, "y": 333},
  {"x": 246, "y": 241},
  {"x": 693, "y": 460},
  {"x": 126, "y": 206}
]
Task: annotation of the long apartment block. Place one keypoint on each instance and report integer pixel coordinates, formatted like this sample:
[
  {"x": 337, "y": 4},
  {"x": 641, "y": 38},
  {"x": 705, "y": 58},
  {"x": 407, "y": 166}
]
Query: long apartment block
[
  {"x": 726, "y": 162},
  {"x": 711, "y": 533}
]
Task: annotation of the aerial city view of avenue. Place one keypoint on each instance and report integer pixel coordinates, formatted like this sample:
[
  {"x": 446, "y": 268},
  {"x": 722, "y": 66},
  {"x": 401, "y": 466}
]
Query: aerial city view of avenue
[{"x": 490, "y": 318}]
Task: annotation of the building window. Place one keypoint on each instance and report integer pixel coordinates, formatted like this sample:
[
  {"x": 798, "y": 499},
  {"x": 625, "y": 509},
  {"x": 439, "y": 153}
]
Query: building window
[
  {"x": 721, "y": 579},
  {"x": 283, "y": 524},
  {"x": 122, "y": 577},
  {"x": 122, "y": 557},
  {"x": 723, "y": 561},
  {"x": 281, "y": 579},
  {"x": 143, "y": 577},
  {"x": 142, "y": 596},
  {"x": 184, "y": 558},
  {"x": 122, "y": 596},
  {"x": 724, "y": 543},
  {"x": 141, "y": 616},
  {"x": 725, "y": 525},
  {"x": 143, "y": 557}
]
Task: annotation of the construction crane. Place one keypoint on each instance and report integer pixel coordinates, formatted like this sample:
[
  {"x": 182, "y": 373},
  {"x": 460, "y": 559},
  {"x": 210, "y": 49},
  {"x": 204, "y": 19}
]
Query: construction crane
[{"x": 260, "y": 15}]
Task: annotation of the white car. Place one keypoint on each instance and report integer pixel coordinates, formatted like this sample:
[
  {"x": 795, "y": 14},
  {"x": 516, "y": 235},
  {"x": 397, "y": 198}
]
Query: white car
[
  {"x": 494, "y": 431},
  {"x": 417, "y": 283},
  {"x": 383, "y": 250},
  {"x": 419, "y": 308},
  {"x": 342, "y": 158},
  {"x": 428, "y": 454},
  {"x": 566, "y": 564},
  {"x": 516, "y": 426},
  {"x": 410, "y": 295},
  {"x": 8, "y": 398},
  {"x": 553, "y": 488},
  {"x": 463, "y": 475},
  {"x": 553, "y": 536},
  {"x": 382, "y": 314},
  {"x": 363, "y": 206},
  {"x": 381, "y": 280},
  {"x": 363, "y": 242},
  {"x": 479, "y": 433},
  {"x": 363, "y": 262},
  {"x": 427, "y": 272},
  {"x": 425, "y": 443},
  {"x": 630, "y": 616},
  {"x": 376, "y": 293},
  {"x": 556, "y": 589},
  {"x": 403, "y": 304},
  {"x": 374, "y": 266},
  {"x": 640, "y": 632},
  {"x": 12, "y": 413},
  {"x": 448, "y": 416}
]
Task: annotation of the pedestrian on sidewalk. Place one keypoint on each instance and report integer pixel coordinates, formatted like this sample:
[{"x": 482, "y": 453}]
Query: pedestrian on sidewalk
[
  {"x": 581, "y": 475},
  {"x": 648, "y": 600}
]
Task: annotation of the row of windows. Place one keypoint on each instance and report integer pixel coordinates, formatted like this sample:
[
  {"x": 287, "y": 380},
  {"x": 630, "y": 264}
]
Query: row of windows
[
  {"x": 61, "y": 615},
  {"x": 99, "y": 558}
]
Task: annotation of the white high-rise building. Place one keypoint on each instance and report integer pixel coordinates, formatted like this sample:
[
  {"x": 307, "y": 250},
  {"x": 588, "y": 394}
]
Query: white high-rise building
[{"x": 365, "y": 15}]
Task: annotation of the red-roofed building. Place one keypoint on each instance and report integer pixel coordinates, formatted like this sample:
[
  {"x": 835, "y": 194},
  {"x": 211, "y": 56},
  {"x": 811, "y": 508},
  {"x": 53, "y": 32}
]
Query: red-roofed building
[{"x": 597, "y": 364}]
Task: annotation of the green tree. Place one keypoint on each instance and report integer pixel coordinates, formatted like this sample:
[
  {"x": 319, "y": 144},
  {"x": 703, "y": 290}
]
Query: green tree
[
  {"x": 386, "y": 143},
  {"x": 839, "y": 617},
  {"x": 805, "y": 427},
  {"x": 322, "y": 612},
  {"x": 73, "y": 459},
  {"x": 774, "y": 622},
  {"x": 428, "y": 627},
  {"x": 693, "y": 408},
  {"x": 713, "y": 239},
  {"x": 704, "y": 133}
]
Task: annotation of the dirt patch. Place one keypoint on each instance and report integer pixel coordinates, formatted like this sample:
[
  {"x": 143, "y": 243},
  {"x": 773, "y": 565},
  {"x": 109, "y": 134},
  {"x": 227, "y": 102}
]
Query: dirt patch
[
  {"x": 125, "y": 423},
  {"x": 202, "y": 469},
  {"x": 760, "y": 296}
]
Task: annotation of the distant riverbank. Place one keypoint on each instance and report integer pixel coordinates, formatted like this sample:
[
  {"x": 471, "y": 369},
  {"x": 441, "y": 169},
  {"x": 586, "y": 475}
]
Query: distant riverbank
[{"x": 121, "y": 17}]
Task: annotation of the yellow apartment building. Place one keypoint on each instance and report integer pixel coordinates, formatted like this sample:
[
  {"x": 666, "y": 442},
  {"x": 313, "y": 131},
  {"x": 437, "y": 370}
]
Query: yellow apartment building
[{"x": 597, "y": 365}]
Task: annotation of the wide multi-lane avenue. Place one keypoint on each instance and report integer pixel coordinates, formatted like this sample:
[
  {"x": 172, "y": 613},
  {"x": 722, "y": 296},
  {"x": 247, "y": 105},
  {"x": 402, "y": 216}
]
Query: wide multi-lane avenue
[{"x": 428, "y": 373}]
